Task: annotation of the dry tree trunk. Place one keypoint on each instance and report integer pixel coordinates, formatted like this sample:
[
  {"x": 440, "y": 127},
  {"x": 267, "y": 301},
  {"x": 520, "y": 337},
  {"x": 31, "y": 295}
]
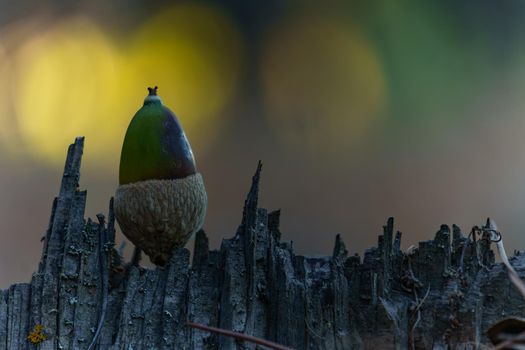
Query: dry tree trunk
[{"x": 253, "y": 284}]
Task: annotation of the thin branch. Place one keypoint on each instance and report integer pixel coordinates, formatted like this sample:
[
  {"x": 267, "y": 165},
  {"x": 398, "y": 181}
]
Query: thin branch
[
  {"x": 241, "y": 336},
  {"x": 422, "y": 300},
  {"x": 514, "y": 277},
  {"x": 417, "y": 311}
]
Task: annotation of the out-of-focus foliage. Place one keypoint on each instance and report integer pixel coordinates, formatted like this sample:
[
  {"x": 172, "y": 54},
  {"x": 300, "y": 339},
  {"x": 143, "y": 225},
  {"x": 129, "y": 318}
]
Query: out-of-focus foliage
[
  {"x": 194, "y": 54},
  {"x": 72, "y": 78},
  {"x": 359, "y": 109},
  {"x": 66, "y": 81},
  {"x": 325, "y": 76},
  {"x": 322, "y": 82},
  {"x": 434, "y": 70},
  {"x": 5, "y": 122}
]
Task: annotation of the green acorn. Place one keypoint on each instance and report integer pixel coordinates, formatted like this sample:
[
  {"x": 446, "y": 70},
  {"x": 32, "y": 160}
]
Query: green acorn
[{"x": 161, "y": 201}]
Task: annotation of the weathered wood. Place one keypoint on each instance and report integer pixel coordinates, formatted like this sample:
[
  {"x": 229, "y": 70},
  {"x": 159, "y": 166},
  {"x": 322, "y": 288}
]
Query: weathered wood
[
  {"x": 444, "y": 293},
  {"x": 55, "y": 245},
  {"x": 3, "y": 320},
  {"x": 71, "y": 262},
  {"x": 203, "y": 297}
]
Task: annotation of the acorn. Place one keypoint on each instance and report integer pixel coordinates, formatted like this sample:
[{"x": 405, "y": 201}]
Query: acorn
[{"x": 161, "y": 200}]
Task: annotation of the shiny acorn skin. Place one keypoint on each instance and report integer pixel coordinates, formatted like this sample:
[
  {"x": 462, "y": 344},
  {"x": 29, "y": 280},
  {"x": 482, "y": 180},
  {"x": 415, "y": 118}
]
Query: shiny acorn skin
[
  {"x": 161, "y": 201},
  {"x": 155, "y": 145}
]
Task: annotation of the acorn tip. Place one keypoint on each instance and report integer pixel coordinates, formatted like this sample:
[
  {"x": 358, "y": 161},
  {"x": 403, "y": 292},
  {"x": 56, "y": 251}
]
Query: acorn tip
[{"x": 152, "y": 91}]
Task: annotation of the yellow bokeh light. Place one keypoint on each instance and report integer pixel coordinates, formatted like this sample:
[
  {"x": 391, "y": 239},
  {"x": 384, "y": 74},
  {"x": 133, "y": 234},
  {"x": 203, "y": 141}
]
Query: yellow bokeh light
[
  {"x": 11, "y": 37},
  {"x": 4, "y": 110},
  {"x": 323, "y": 85},
  {"x": 193, "y": 53},
  {"x": 73, "y": 80},
  {"x": 65, "y": 85}
]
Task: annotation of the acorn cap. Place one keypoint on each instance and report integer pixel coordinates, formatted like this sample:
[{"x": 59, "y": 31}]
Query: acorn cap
[
  {"x": 155, "y": 145},
  {"x": 161, "y": 215}
]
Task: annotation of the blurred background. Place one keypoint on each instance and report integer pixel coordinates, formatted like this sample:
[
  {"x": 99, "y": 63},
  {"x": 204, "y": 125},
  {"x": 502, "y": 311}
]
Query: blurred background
[{"x": 359, "y": 110}]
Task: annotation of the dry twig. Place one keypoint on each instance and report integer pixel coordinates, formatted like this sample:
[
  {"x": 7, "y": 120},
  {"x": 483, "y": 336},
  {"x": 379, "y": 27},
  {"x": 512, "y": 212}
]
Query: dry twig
[
  {"x": 240, "y": 336},
  {"x": 495, "y": 235}
]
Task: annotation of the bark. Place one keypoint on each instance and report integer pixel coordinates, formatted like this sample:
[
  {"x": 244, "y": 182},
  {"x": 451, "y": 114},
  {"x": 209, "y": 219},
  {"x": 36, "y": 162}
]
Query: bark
[{"x": 444, "y": 294}]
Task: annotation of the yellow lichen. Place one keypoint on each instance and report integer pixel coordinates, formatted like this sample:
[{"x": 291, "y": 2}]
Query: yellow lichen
[{"x": 37, "y": 335}]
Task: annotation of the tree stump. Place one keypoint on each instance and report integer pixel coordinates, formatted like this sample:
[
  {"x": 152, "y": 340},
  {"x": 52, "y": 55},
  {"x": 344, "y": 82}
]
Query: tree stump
[{"x": 428, "y": 298}]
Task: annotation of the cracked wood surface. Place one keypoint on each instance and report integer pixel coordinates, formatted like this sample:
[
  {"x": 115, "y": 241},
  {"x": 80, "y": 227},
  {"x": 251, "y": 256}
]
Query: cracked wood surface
[{"x": 254, "y": 284}]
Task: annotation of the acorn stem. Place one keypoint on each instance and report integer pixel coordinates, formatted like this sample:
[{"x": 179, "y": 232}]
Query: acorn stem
[{"x": 153, "y": 91}]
